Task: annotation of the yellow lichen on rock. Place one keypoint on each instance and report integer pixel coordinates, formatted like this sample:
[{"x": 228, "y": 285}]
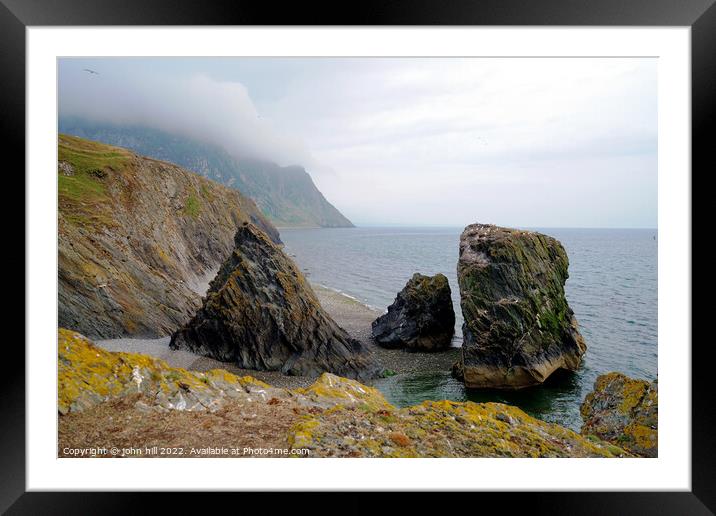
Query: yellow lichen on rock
[
  {"x": 333, "y": 389},
  {"x": 442, "y": 429},
  {"x": 227, "y": 377},
  {"x": 301, "y": 435},
  {"x": 88, "y": 375},
  {"x": 338, "y": 417},
  {"x": 623, "y": 411}
]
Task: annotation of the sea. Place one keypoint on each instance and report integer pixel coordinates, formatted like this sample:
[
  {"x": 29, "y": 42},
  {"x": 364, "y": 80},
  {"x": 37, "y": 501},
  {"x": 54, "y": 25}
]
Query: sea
[{"x": 612, "y": 288}]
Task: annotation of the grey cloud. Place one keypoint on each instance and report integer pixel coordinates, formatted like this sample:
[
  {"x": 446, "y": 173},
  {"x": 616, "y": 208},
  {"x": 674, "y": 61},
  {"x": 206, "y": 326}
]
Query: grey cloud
[
  {"x": 197, "y": 106},
  {"x": 386, "y": 138}
]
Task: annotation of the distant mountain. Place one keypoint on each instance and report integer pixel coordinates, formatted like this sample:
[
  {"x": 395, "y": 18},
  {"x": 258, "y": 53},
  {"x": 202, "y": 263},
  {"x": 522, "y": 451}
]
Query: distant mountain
[{"x": 286, "y": 195}]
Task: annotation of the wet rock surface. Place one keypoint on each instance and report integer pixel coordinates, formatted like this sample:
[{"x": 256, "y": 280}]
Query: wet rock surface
[
  {"x": 518, "y": 326},
  {"x": 623, "y": 411},
  {"x": 260, "y": 313},
  {"x": 421, "y": 317}
]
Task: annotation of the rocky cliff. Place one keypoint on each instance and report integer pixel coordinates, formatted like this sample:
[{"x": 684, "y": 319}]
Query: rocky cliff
[
  {"x": 260, "y": 313},
  {"x": 286, "y": 195},
  {"x": 518, "y": 326},
  {"x": 623, "y": 411},
  {"x": 216, "y": 413},
  {"x": 138, "y": 239},
  {"x": 421, "y": 317}
]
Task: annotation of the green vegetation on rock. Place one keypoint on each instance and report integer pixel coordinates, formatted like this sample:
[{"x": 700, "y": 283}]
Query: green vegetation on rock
[
  {"x": 518, "y": 326},
  {"x": 192, "y": 207},
  {"x": 83, "y": 167},
  {"x": 286, "y": 195},
  {"x": 88, "y": 157}
]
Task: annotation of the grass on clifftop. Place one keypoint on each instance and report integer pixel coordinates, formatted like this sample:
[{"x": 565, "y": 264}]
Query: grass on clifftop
[
  {"x": 88, "y": 156},
  {"x": 81, "y": 190}
]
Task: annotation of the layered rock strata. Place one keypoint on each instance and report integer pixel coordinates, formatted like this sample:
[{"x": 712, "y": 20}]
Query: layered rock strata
[{"x": 138, "y": 239}]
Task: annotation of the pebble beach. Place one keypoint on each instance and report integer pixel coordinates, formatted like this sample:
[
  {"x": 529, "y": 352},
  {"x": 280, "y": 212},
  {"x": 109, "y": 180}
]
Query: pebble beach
[{"x": 350, "y": 314}]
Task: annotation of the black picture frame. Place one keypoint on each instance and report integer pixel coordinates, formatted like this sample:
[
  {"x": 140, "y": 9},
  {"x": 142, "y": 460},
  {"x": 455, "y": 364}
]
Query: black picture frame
[{"x": 700, "y": 15}]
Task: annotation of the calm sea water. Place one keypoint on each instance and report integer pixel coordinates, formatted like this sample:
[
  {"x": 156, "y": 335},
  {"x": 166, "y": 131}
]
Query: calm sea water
[{"x": 612, "y": 288}]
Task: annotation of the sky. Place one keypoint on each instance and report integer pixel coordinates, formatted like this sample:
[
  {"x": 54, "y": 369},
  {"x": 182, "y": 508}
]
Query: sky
[{"x": 527, "y": 142}]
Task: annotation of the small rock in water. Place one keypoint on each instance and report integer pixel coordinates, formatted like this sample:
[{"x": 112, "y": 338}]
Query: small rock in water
[{"x": 421, "y": 318}]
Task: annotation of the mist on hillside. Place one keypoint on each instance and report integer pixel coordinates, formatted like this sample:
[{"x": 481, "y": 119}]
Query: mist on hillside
[{"x": 199, "y": 107}]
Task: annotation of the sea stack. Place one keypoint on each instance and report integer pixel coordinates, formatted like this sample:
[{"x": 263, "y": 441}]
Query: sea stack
[
  {"x": 260, "y": 313},
  {"x": 518, "y": 326},
  {"x": 421, "y": 318}
]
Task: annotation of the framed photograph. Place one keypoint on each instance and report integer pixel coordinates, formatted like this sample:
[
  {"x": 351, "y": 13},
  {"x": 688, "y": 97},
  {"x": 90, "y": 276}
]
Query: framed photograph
[{"x": 419, "y": 248}]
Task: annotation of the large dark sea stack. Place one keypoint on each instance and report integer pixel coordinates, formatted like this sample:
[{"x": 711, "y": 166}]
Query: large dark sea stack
[
  {"x": 260, "y": 313},
  {"x": 421, "y": 317},
  {"x": 518, "y": 326}
]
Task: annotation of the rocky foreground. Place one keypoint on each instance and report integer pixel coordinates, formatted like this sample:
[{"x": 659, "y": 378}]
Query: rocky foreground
[
  {"x": 141, "y": 406},
  {"x": 518, "y": 326}
]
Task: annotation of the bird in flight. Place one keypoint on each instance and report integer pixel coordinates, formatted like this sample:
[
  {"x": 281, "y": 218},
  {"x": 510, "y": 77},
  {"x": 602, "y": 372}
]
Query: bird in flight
[{"x": 90, "y": 71}]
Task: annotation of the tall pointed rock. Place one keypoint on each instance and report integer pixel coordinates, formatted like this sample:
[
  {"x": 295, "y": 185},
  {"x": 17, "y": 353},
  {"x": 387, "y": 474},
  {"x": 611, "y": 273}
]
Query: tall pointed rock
[{"x": 260, "y": 313}]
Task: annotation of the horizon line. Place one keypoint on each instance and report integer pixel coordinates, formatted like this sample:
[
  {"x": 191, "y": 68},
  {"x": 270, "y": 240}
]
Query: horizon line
[{"x": 386, "y": 224}]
